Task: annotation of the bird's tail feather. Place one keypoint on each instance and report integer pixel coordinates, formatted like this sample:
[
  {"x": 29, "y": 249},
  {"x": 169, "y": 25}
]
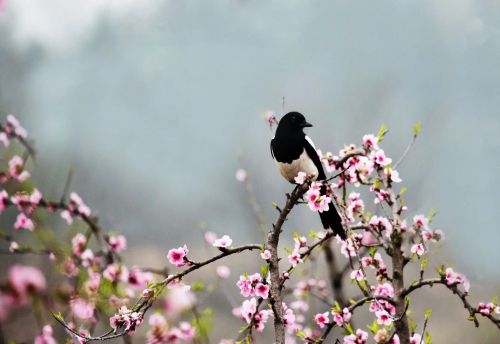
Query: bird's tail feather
[{"x": 331, "y": 219}]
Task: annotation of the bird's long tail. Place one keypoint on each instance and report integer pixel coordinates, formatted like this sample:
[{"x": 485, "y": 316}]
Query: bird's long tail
[{"x": 331, "y": 219}]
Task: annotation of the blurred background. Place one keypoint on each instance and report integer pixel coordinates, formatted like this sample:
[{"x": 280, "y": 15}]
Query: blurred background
[{"x": 156, "y": 104}]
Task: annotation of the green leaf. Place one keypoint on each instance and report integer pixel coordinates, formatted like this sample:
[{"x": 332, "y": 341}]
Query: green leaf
[
  {"x": 287, "y": 250},
  {"x": 432, "y": 214},
  {"x": 373, "y": 250},
  {"x": 198, "y": 286},
  {"x": 204, "y": 324},
  {"x": 349, "y": 328},
  {"x": 428, "y": 313},
  {"x": 413, "y": 326},
  {"x": 382, "y": 131},
  {"x": 403, "y": 190},
  {"x": 416, "y": 129},
  {"x": 428, "y": 338},
  {"x": 423, "y": 264},
  {"x": 58, "y": 316},
  {"x": 274, "y": 204},
  {"x": 373, "y": 327},
  {"x": 264, "y": 270},
  {"x": 301, "y": 335},
  {"x": 313, "y": 235}
]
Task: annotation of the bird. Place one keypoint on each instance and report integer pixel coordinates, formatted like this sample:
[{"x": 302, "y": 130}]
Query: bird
[{"x": 294, "y": 152}]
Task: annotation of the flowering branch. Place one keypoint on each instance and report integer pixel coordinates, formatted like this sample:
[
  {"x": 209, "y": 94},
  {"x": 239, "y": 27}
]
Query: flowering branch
[
  {"x": 462, "y": 295},
  {"x": 272, "y": 246}
]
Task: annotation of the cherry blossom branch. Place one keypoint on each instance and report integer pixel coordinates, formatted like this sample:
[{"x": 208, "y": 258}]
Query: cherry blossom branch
[
  {"x": 351, "y": 309},
  {"x": 144, "y": 303},
  {"x": 19, "y": 137},
  {"x": 272, "y": 246},
  {"x": 461, "y": 294}
]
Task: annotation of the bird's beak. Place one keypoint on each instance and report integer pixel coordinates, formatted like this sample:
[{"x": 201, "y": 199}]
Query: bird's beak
[{"x": 306, "y": 124}]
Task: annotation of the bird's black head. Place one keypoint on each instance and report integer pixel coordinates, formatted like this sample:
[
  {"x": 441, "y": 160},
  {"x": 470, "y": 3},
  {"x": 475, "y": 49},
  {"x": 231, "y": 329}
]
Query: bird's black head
[{"x": 293, "y": 122}]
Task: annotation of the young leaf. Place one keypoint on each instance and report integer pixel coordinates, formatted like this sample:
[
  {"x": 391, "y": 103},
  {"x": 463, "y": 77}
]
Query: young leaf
[
  {"x": 382, "y": 131},
  {"x": 428, "y": 313},
  {"x": 416, "y": 129}
]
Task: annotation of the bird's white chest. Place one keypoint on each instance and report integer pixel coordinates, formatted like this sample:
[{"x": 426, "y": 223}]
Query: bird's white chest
[{"x": 303, "y": 164}]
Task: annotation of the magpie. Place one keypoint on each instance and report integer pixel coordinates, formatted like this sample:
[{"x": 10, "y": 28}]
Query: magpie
[{"x": 294, "y": 152}]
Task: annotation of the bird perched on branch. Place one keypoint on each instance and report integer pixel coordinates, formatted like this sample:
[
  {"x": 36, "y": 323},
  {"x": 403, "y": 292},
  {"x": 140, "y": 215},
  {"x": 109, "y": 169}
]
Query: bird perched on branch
[{"x": 294, "y": 152}]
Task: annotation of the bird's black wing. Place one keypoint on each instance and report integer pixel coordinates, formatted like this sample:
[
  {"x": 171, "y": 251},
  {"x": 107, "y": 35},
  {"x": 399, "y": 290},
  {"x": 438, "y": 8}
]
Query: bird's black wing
[
  {"x": 311, "y": 151},
  {"x": 271, "y": 146}
]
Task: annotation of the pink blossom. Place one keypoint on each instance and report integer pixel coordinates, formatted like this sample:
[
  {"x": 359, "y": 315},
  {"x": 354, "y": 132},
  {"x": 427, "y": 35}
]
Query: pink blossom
[
  {"x": 114, "y": 272},
  {"x": 82, "y": 309},
  {"x": 187, "y": 332},
  {"x": 384, "y": 290},
  {"x": 248, "y": 309},
  {"x": 316, "y": 201},
  {"x": 347, "y": 248},
  {"x": 121, "y": 319},
  {"x": 383, "y": 318},
  {"x": 394, "y": 175},
  {"x": 223, "y": 242},
  {"x": 25, "y": 280},
  {"x": 288, "y": 316},
  {"x": 178, "y": 299},
  {"x": 300, "y": 178},
  {"x": 266, "y": 254},
  {"x": 22, "y": 221},
  {"x": 488, "y": 308},
  {"x": 210, "y": 237},
  {"x": 158, "y": 329},
  {"x": 262, "y": 290},
  {"x": 3, "y": 136},
  {"x": 69, "y": 268},
  {"x": 379, "y": 158},
  {"x": 381, "y": 336},
  {"x": 245, "y": 286},
  {"x": 13, "y": 125},
  {"x": 76, "y": 200},
  {"x": 87, "y": 257},
  {"x": 295, "y": 258},
  {"x": 370, "y": 141},
  {"x": 78, "y": 244},
  {"x": 223, "y": 271},
  {"x": 66, "y": 215},
  {"x": 416, "y": 338},
  {"x": 16, "y": 169},
  {"x": 418, "y": 249},
  {"x": 357, "y": 274},
  {"x": 359, "y": 338},
  {"x": 322, "y": 319},
  {"x": 177, "y": 256},
  {"x": 92, "y": 284},
  {"x": 13, "y": 247},
  {"x": 139, "y": 278},
  {"x": 453, "y": 277},
  {"x": 341, "y": 318},
  {"x": 421, "y": 221},
  {"x": 382, "y": 224},
  {"x": 117, "y": 243},
  {"x": 4, "y": 198},
  {"x": 241, "y": 175},
  {"x": 261, "y": 318},
  {"x": 26, "y": 202},
  {"x": 46, "y": 337},
  {"x": 270, "y": 117}
]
